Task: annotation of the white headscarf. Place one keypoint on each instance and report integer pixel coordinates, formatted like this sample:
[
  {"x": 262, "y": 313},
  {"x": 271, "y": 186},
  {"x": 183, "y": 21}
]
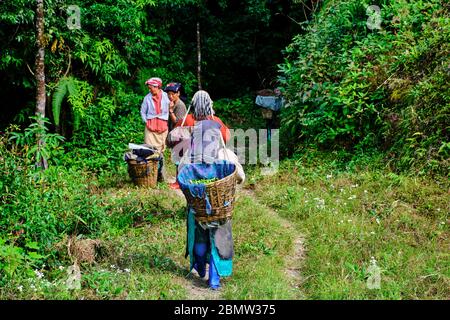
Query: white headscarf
[{"x": 202, "y": 104}]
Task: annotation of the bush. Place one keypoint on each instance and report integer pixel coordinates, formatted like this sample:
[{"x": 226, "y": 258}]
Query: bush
[
  {"x": 356, "y": 88},
  {"x": 240, "y": 113},
  {"x": 39, "y": 206}
]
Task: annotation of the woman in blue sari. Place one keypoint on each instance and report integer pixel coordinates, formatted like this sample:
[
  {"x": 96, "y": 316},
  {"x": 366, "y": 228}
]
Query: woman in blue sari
[{"x": 209, "y": 242}]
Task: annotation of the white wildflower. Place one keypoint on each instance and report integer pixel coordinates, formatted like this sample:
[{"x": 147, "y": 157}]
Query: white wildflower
[
  {"x": 372, "y": 232},
  {"x": 352, "y": 197},
  {"x": 377, "y": 220},
  {"x": 20, "y": 288},
  {"x": 38, "y": 274},
  {"x": 320, "y": 203},
  {"x": 61, "y": 268},
  {"x": 365, "y": 191},
  {"x": 127, "y": 270},
  {"x": 113, "y": 266},
  {"x": 329, "y": 176}
]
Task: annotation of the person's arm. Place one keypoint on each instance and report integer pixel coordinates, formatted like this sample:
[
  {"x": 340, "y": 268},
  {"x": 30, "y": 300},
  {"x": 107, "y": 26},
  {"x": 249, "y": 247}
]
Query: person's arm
[
  {"x": 144, "y": 111},
  {"x": 225, "y": 133},
  {"x": 172, "y": 116},
  {"x": 164, "y": 115},
  {"x": 224, "y": 130}
]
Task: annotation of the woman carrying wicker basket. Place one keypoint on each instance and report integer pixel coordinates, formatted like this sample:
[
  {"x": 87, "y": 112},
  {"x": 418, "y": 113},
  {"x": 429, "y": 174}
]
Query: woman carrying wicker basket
[{"x": 209, "y": 234}]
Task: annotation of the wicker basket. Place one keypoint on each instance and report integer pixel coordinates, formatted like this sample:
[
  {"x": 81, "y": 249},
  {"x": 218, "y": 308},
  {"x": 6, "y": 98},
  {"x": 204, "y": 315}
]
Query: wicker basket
[
  {"x": 143, "y": 174},
  {"x": 221, "y": 194}
]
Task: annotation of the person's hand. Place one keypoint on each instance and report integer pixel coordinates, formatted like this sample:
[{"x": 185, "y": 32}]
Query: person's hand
[{"x": 171, "y": 106}]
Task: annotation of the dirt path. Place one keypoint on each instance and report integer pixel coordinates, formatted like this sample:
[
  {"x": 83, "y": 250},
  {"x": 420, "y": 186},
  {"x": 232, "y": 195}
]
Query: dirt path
[{"x": 294, "y": 261}]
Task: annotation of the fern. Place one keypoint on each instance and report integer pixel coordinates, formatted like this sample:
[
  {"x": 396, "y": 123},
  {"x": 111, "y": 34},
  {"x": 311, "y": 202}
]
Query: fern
[
  {"x": 72, "y": 87},
  {"x": 77, "y": 94},
  {"x": 58, "y": 97}
]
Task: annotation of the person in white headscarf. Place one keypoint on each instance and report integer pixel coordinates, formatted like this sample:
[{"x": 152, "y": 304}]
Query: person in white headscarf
[
  {"x": 203, "y": 110},
  {"x": 209, "y": 243}
]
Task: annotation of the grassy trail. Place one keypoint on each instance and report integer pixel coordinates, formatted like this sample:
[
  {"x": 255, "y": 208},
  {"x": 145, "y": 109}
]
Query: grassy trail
[
  {"x": 306, "y": 232},
  {"x": 355, "y": 219},
  {"x": 294, "y": 260}
]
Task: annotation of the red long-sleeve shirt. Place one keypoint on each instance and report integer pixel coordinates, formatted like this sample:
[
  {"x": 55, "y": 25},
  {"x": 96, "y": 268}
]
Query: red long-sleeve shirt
[{"x": 190, "y": 121}]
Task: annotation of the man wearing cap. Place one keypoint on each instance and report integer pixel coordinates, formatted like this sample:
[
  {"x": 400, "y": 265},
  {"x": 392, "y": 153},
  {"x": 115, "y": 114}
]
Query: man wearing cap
[
  {"x": 155, "y": 114},
  {"x": 177, "y": 108},
  {"x": 177, "y": 111}
]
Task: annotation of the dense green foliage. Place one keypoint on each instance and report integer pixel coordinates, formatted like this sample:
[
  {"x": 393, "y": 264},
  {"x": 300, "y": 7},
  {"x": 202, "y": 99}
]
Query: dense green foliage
[
  {"x": 372, "y": 96},
  {"x": 352, "y": 85},
  {"x": 120, "y": 44}
]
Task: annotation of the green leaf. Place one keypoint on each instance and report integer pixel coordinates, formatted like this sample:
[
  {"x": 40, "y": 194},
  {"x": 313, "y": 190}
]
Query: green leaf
[
  {"x": 35, "y": 256},
  {"x": 32, "y": 245},
  {"x": 58, "y": 97}
]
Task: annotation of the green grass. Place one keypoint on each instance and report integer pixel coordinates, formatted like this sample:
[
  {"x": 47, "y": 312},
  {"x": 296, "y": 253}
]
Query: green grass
[
  {"x": 143, "y": 244},
  {"x": 347, "y": 218},
  {"x": 261, "y": 246},
  {"x": 345, "y": 215}
]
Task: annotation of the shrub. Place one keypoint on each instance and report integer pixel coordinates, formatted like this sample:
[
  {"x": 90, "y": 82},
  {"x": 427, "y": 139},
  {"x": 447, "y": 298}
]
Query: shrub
[{"x": 353, "y": 87}]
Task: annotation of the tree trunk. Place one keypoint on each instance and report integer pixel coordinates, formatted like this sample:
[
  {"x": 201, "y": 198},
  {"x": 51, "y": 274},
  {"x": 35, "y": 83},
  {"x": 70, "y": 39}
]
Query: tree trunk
[
  {"x": 40, "y": 74},
  {"x": 40, "y": 67},
  {"x": 199, "y": 58}
]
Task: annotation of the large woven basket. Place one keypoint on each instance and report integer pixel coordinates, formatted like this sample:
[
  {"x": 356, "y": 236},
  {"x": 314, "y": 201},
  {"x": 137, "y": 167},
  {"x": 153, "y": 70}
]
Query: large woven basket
[
  {"x": 143, "y": 174},
  {"x": 221, "y": 194}
]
